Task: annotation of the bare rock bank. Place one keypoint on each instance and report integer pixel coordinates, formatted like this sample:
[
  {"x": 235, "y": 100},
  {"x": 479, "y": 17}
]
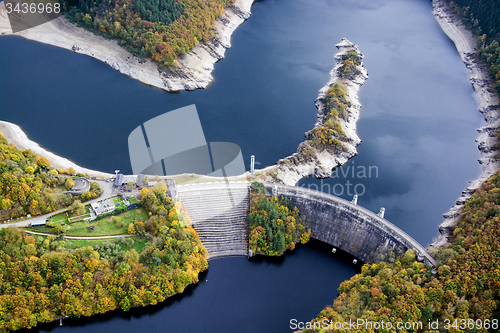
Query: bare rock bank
[
  {"x": 194, "y": 70},
  {"x": 489, "y": 107}
]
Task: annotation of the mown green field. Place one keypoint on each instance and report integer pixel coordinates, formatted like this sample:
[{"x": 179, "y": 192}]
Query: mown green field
[
  {"x": 138, "y": 243},
  {"x": 109, "y": 226},
  {"x": 116, "y": 225}
]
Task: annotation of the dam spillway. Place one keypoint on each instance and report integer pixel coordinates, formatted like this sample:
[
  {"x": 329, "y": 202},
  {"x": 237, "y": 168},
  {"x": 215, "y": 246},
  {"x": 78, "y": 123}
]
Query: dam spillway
[{"x": 218, "y": 212}]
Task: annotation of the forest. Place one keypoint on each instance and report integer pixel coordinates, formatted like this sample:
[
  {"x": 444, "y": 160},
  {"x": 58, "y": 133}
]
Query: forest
[
  {"x": 274, "y": 224},
  {"x": 482, "y": 17},
  {"x": 330, "y": 133},
  {"x": 157, "y": 29},
  {"x": 28, "y": 184},
  {"x": 465, "y": 292},
  {"x": 43, "y": 278}
]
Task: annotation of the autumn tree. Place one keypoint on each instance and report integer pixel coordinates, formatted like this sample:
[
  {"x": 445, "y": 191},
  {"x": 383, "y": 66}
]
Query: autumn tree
[
  {"x": 77, "y": 208},
  {"x": 42, "y": 162},
  {"x": 274, "y": 223},
  {"x": 130, "y": 185},
  {"x": 159, "y": 29},
  {"x": 69, "y": 183},
  {"x": 43, "y": 278},
  {"x": 29, "y": 186}
]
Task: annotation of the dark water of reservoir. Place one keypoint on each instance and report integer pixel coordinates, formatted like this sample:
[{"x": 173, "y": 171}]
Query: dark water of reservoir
[
  {"x": 418, "y": 126},
  {"x": 238, "y": 295}
]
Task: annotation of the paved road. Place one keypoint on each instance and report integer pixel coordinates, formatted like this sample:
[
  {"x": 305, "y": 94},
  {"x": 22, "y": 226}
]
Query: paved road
[
  {"x": 80, "y": 237},
  {"x": 87, "y": 237},
  {"x": 107, "y": 192}
]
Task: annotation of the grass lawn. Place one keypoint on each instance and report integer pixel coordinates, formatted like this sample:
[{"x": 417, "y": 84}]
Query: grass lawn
[
  {"x": 113, "y": 225},
  {"x": 41, "y": 229},
  {"x": 117, "y": 200},
  {"x": 139, "y": 243},
  {"x": 61, "y": 217},
  {"x": 108, "y": 226},
  {"x": 78, "y": 218}
]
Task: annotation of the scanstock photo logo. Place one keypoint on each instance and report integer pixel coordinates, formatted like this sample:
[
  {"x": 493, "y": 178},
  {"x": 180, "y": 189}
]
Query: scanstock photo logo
[{"x": 174, "y": 144}]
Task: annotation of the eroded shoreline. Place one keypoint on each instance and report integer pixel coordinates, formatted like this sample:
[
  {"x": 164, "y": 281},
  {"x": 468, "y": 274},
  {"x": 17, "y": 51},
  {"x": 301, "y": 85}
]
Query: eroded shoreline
[
  {"x": 488, "y": 106},
  {"x": 291, "y": 169},
  {"x": 15, "y": 135},
  {"x": 288, "y": 170},
  {"x": 194, "y": 70}
]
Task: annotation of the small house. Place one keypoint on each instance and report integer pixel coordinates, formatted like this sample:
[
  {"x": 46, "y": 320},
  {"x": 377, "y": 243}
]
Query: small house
[{"x": 38, "y": 223}]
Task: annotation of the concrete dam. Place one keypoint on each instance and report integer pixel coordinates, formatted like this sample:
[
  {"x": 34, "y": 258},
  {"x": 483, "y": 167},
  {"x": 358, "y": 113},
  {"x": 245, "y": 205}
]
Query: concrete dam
[
  {"x": 218, "y": 212},
  {"x": 219, "y": 215}
]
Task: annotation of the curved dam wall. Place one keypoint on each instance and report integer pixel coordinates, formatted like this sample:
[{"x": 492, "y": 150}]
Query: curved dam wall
[
  {"x": 350, "y": 227},
  {"x": 219, "y": 210}
]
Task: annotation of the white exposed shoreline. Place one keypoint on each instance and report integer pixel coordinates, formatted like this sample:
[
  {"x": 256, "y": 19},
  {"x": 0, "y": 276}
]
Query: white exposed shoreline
[
  {"x": 194, "y": 70},
  {"x": 488, "y": 106},
  {"x": 287, "y": 170}
]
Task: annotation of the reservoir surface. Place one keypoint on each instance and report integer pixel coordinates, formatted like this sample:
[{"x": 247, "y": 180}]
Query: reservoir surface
[{"x": 418, "y": 125}]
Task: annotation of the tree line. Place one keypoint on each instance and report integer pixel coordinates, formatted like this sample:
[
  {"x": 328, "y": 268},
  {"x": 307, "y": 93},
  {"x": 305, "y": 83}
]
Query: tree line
[
  {"x": 158, "y": 29},
  {"x": 482, "y": 17},
  {"x": 330, "y": 133},
  {"x": 465, "y": 288},
  {"x": 28, "y": 184}
]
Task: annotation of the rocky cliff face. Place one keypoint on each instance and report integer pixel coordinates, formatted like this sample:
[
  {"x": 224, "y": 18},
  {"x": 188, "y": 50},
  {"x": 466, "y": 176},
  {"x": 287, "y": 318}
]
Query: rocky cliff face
[{"x": 316, "y": 160}]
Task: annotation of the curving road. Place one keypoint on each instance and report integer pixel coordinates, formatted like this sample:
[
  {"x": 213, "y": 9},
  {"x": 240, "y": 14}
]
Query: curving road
[
  {"x": 83, "y": 237},
  {"x": 107, "y": 192}
]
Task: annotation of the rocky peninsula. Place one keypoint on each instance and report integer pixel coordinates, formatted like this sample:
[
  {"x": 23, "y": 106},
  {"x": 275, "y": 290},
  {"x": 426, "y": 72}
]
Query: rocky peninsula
[
  {"x": 489, "y": 107},
  {"x": 194, "y": 69},
  {"x": 310, "y": 159},
  {"x": 319, "y": 161}
]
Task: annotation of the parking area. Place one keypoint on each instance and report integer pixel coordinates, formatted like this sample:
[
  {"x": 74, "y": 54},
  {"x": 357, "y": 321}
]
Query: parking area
[{"x": 81, "y": 185}]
